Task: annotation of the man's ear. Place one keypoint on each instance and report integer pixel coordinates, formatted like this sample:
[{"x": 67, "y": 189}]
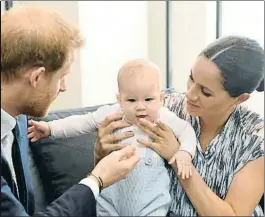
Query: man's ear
[
  {"x": 35, "y": 76},
  {"x": 242, "y": 98}
]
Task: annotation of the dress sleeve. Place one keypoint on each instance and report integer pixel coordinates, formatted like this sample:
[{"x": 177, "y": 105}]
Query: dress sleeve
[{"x": 253, "y": 148}]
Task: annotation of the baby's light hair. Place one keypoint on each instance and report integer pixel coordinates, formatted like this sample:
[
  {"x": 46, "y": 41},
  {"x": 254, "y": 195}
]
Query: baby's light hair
[{"x": 133, "y": 67}]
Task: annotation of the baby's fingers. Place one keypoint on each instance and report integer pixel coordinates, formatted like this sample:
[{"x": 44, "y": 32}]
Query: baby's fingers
[
  {"x": 33, "y": 123},
  {"x": 172, "y": 160},
  {"x": 180, "y": 167},
  {"x": 184, "y": 173},
  {"x": 30, "y": 129},
  {"x": 34, "y": 139},
  {"x": 188, "y": 171},
  {"x": 31, "y": 135}
]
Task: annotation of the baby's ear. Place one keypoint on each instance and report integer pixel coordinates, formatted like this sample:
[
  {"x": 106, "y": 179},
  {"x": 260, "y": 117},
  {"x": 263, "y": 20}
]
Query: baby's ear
[
  {"x": 162, "y": 94},
  {"x": 118, "y": 97}
]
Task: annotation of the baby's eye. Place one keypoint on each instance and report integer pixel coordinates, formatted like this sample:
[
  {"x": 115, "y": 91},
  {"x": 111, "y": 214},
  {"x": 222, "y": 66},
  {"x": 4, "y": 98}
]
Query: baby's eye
[
  {"x": 148, "y": 99},
  {"x": 131, "y": 100}
]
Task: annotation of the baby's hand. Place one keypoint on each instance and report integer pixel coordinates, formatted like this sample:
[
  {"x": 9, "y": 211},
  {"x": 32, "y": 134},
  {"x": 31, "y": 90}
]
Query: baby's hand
[
  {"x": 183, "y": 161},
  {"x": 38, "y": 130}
]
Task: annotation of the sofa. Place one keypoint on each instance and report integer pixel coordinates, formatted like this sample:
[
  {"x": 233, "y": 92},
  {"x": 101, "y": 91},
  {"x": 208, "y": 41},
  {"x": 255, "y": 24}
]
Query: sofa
[{"x": 56, "y": 165}]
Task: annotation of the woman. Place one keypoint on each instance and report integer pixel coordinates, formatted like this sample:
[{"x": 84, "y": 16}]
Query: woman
[{"x": 228, "y": 172}]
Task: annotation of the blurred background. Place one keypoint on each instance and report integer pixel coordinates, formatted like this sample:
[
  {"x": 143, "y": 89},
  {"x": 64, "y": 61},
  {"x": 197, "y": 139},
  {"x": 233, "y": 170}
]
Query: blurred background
[{"x": 169, "y": 33}]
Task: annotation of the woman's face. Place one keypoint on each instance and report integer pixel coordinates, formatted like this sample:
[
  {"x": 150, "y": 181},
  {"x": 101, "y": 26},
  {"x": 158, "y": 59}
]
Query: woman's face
[{"x": 206, "y": 96}]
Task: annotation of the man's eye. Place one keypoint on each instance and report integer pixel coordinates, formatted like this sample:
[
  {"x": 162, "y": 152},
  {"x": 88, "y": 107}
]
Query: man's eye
[
  {"x": 131, "y": 100},
  {"x": 205, "y": 93},
  {"x": 148, "y": 99}
]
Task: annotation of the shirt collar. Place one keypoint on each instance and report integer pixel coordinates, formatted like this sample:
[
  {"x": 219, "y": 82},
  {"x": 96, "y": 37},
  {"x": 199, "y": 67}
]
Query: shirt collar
[{"x": 7, "y": 123}]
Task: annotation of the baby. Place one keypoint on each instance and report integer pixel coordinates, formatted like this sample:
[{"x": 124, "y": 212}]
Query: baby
[{"x": 145, "y": 192}]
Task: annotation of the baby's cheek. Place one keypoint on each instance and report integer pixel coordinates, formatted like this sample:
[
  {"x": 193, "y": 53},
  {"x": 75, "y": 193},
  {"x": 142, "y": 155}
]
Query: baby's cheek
[
  {"x": 130, "y": 116},
  {"x": 155, "y": 110},
  {"x": 153, "y": 116}
]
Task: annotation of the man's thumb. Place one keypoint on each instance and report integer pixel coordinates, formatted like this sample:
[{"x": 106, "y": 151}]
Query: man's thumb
[{"x": 132, "y": 161}]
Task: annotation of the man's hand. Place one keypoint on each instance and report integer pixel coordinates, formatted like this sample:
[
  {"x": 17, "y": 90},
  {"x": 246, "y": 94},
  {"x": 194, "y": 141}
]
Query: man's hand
[
  {"x": 106, "y": 142},
  {"x": 117, "y": 165},
  {"x": 38, "y": 130}
]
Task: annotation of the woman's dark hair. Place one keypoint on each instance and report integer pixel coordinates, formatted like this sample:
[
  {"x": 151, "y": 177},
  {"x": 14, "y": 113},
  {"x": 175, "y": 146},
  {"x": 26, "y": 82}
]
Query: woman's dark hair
[
  {"x": 241, "y": 63},
  {"x": 260, "y": 88}
]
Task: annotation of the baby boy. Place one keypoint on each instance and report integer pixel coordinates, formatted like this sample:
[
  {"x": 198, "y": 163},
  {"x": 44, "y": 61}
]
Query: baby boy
[{"x": 145, "y": 192}]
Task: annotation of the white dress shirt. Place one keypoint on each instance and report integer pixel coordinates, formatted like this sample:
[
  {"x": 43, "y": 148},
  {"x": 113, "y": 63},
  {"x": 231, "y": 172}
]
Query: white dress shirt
[{"x": 8, "y": 123}]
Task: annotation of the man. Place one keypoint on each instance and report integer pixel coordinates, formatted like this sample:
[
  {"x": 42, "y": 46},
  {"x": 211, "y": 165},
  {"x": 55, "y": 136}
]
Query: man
[{"x": 37, "y": 51}]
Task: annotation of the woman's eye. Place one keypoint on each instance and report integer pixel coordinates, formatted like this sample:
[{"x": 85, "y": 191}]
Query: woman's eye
[
  {"x": 205, "y": 93},
  {"x": 148, "y": 99},
  {"x": 131, "y": 100}
]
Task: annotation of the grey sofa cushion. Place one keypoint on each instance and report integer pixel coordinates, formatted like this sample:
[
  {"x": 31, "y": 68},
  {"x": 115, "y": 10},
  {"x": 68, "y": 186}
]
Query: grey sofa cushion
[
  {"x": 61, "y": 163},
  {"x": 40, "y": 199}
]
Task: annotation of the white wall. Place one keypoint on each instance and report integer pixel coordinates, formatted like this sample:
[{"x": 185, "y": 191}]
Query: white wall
[
  {"x": 193, "y": 28},
  {"x": 72, "y": 97},
  {"x": 115, "y": 31},
  {"x": 157, "y": 36},
  {"x": 119, "y": 30}
]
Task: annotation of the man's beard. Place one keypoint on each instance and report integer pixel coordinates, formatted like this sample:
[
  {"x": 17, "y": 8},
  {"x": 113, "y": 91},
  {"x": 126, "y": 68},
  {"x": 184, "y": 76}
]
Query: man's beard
[{"x": 38, "y": 107}]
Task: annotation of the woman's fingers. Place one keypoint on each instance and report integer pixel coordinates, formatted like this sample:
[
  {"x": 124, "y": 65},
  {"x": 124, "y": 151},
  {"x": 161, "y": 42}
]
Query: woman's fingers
[
  {"x": 111, "y": 127},
  {"x": 153, "y": 145},
  {"x": 162, "y": 126},
  {"x": 145, "y": 124},
  {"x": 153, "y": 135},
  {"x": 109, "y": 119},
  {"x": 115, "y": 138}
]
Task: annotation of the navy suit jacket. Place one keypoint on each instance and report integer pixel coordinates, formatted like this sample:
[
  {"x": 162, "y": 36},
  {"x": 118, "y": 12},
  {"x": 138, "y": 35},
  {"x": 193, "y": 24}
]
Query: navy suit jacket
[{"x": 77, "y": 201}]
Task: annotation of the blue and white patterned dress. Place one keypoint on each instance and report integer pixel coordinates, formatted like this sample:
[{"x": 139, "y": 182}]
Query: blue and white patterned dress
[{"x": 236, "y": 145}]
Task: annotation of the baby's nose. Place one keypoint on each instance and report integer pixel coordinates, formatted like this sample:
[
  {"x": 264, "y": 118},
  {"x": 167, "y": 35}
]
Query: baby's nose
[{"x": 140, "y": 106}]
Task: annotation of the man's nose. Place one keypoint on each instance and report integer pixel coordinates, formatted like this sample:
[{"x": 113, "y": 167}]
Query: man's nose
[{"x": 63, "y": 85}]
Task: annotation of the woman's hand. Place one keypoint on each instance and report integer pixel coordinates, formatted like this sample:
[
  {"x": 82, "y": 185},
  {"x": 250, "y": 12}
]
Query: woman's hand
[
  {"x": 164, "y": 141},
  {"x": 106, "y": 142}
]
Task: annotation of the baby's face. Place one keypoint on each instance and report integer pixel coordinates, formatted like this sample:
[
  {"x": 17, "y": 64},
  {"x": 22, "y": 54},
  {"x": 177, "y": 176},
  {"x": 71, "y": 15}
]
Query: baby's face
[{"x": 139, "y": 98}]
